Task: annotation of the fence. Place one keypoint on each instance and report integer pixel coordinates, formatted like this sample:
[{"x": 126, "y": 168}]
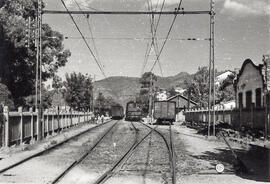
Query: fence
[
  {"x": 252, "y": 118},
  {"x": 22, "y": 127}
]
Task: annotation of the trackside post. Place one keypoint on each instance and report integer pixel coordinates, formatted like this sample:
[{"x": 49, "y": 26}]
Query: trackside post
[{"x": 6, "y": 125}]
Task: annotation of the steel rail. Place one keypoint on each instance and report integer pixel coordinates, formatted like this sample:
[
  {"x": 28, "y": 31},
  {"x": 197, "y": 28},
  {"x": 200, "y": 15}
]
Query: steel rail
[
  {"x": 122, "y": 160},
  {"x": 76, "y": 162},
  {"x": 50, "y": 148},
  {"x": 171, "y": 155},
  {"x": 129, "y": 12}
]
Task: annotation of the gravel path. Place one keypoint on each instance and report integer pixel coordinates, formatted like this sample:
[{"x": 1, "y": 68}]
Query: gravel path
[
  {"x": 45, "y": 168},
  {"x": 197, "y": 161}
]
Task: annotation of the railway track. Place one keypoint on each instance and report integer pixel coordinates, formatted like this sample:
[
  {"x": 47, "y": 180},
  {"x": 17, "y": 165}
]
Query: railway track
[
  {"x": 52, "y": 148},
  {"x": 81, "y": 158},
  {"x": 170, "y": 147},
  {"x": 109, "y": 173},
  {"x": 119, "y": 162}
]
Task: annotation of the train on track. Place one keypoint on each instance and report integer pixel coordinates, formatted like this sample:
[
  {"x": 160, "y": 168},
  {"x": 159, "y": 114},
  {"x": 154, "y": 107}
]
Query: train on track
[
  {"x": 117, "y": 112},
  {"x": 133, "y": 112},
  {"x": 164, "y": 112}
]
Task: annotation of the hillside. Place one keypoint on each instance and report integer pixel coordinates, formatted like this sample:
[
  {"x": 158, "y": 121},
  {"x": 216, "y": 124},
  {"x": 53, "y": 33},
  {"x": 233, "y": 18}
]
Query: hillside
[{"x": 124, "y": 89}]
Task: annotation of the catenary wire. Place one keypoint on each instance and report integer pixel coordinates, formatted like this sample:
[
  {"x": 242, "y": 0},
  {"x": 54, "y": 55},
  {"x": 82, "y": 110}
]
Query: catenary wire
[
  {"x": 148, "y": 49},
  {"x": 77, "y": 27},
  {"x": 91, "y": 32},
  {"x": 168, "y": 34},
  {"x": 153, "y": 38}
]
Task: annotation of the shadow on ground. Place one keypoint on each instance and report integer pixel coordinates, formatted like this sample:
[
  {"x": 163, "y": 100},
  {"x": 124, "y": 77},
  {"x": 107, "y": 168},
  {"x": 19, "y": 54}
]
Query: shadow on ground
[{"x": 256, "y": 162}]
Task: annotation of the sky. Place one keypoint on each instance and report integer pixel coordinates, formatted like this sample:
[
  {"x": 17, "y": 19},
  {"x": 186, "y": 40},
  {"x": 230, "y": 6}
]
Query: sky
[{"x": 241, "y": 32}]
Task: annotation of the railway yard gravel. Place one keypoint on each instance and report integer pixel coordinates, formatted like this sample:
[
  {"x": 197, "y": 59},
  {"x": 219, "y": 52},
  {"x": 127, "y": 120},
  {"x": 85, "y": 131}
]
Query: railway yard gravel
[
  {"x": 14, "y": 154},
  {"x": 114, "y": 145},
  {"x": 196, "y": 158},
  {"x": 46, "y": 167},
  {"x": 148, "y": 164}
]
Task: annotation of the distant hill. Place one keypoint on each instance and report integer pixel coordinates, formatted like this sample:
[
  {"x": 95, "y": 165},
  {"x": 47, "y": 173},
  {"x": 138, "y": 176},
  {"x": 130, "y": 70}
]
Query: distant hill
[{"x": 123, "y": 89}]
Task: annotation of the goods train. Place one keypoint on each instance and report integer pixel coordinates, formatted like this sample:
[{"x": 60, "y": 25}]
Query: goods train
[
  {"x": 133, "y": 112},
  {"x": 164, "y": 112},
  {"x": 117, "y": 112}
]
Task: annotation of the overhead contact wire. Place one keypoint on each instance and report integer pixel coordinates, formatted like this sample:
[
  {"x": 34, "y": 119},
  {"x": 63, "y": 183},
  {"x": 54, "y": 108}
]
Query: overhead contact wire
[
  {"x": 168, "y": 34},
  {"x": 91, "y": 32},
  {"x": 77, "y": 27}
]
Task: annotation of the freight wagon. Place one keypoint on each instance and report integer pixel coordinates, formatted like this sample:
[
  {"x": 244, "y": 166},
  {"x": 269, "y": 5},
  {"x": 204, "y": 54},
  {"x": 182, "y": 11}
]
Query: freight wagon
[
  {"x": 164, "y": 111},
  {"x": 133, "y": 112},
  {"x": 117, "y": 112}
]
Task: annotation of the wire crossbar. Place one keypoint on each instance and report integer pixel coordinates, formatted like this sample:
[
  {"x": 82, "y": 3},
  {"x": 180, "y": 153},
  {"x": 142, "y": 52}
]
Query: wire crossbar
[{"x": 128, "y": 12}]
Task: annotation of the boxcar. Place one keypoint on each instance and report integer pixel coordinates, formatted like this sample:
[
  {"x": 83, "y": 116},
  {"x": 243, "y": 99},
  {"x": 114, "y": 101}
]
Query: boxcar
[
  {"x": 133, "y": 112},
  {"x": 117, "y": 112},
  {"x": 164, "y": 112}
]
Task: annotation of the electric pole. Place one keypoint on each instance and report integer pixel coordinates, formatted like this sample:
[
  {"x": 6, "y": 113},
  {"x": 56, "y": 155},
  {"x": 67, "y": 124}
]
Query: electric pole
[
  {"x": 38, "y": 92},
  {"x": 150, "y": 95},
  {"x": 212, "y": 50},
  {"x": 211, "y": 95},
  {"x": 92, "y": 104}
]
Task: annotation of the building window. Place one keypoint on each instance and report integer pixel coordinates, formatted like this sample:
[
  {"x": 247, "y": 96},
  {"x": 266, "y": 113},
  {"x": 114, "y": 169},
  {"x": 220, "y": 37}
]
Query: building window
[
  {"x": 248, "y": 99},
  {"x": 240, "y": 100},
  {"x": 258, "y": 97}
]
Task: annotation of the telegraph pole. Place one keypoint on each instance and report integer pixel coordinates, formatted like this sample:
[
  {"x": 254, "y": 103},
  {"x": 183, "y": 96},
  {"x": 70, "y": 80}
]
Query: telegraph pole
[
  {"x": 38, "y": 84},
  {"x": 93, "y": 94},
  {"x": 150, "y": 96},
  {"x": 212, "y": 56},
  {"x": 211, "y": 95},
  {"x": 37, "y": 60}
]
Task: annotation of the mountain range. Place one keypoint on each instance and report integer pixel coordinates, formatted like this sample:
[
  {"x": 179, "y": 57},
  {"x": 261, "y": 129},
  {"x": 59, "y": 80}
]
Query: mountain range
[{"x": 124, "y": 89}]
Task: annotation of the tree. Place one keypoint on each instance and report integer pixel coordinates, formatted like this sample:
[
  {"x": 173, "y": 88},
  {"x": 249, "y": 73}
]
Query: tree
[
  {"x": 78, "y": 93},
  {"x": 171, "y": 92},
  {"x": 5, "y": 97},
  {"x": 146, "y": 84},
  {"x": 57, "y": 83},
  {"x": 146, "y": 78},
  {"x": 226, "y": 90},
  {"x": 18, "y": 62},
  {"x": 197, "y": 88},
  {"x": 47, "y": 97}
]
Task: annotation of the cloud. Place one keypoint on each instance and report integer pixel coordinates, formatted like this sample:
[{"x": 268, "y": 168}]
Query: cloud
[
  {"x": 235, "y": 7},
  {"x": 166, "y": 3},
  {"x": 247, "y": 7},
  {"x": 71, "y": 3}
]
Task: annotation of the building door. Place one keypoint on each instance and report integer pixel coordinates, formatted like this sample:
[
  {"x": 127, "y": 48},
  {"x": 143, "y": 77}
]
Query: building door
[
  {"x": 240, "y": 100},
  {"x": 248, "y": 99},
  {"x": 258, "y": 97}
]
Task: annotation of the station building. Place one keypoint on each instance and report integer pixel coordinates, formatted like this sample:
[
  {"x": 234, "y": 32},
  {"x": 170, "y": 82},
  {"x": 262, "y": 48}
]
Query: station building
[
  {"x": 252, "y": 84},
  {"x": 182, "y": 103}
]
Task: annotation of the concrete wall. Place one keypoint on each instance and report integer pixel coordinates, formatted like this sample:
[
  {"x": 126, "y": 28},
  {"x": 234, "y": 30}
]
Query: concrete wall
[
  {"x": 250, "y": 80},
  {"x": 252, "y": 118},
  {"x": 180, "y": 117},
  {"x": 22, "y": 127}
]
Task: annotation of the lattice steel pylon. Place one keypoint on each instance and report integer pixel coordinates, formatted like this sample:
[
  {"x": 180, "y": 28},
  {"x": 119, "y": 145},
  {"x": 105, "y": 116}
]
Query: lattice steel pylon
[{"x": 212, "y": 91}]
